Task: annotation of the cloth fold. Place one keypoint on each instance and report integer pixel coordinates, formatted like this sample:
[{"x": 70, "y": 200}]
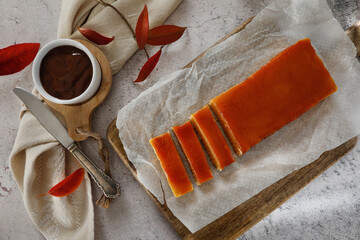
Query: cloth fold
[
  {"x": 37, "y": 160},
  {"x": 106, "y": 21}
]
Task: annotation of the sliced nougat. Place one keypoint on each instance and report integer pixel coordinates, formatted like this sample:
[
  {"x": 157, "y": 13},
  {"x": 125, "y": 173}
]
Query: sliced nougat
[
  {"x": 286, "y": 87},
  {"x": 172, "y": 165},
  {"x": 214, "y": 141},
  {"x": 194, "y": 153}
]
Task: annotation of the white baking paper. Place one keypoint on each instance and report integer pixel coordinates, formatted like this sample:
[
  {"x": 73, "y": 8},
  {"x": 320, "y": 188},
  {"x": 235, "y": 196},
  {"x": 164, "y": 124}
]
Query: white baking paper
[{"x": 175, "y": 97}]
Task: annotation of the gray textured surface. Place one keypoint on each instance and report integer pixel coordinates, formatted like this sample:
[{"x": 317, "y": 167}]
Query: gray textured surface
[{"x": 328, "y": 208}]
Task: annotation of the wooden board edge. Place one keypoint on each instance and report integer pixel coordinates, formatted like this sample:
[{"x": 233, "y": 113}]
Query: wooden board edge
[
  {"x": 249, "y": 213},
  {"x": 236, "y": 30},
  {"x": 353, "y": 33},
  {"x": 113, "y": 138},
  {"x": 235, "y": 223},
  {"x": 240, "y": 219}
]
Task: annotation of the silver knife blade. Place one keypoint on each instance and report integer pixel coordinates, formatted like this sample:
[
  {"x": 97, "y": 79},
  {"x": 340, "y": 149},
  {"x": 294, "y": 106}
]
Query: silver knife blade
[
  {"x": 110, "y": 188},
  {"x": 45, "y": 117}
]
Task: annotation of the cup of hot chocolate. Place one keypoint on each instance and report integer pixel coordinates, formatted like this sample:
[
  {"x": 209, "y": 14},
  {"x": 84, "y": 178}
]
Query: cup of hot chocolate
[{"x": 66, "y": 72}]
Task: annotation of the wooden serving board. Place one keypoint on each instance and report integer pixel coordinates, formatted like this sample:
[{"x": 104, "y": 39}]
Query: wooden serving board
[{"x": 243, "y": 217}]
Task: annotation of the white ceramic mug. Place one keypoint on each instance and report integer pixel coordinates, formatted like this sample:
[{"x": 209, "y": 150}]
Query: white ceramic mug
[{"x": 95, "y": 80}]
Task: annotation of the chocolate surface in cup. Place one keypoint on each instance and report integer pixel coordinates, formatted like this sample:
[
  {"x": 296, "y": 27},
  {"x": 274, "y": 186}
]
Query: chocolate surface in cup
[{"x": 65, "y": 72}]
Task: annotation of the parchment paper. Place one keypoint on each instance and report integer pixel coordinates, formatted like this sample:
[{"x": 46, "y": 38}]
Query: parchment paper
[{"x": 175, "y": 97}]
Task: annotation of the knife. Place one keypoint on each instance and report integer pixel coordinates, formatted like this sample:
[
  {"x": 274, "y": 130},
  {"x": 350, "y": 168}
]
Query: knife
[{"x": 110, "y": 188}]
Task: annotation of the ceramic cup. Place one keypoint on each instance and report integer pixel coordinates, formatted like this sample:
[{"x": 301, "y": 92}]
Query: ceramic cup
[{"x": 95, "y": 80}]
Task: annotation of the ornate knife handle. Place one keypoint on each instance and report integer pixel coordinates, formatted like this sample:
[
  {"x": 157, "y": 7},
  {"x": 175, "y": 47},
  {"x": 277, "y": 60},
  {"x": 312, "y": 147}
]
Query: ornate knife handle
[{"x": 110, "y": 188}]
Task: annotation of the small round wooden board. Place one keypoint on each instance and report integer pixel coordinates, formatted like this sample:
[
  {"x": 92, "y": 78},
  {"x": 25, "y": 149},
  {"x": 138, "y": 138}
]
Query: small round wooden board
[{"x": 79, "y": 115}]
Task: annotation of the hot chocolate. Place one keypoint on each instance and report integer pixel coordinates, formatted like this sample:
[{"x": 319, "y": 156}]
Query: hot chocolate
[{"x": 65, "y": 72}]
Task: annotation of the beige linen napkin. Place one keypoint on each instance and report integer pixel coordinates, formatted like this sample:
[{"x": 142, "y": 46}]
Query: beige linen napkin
[
  {"x": 37, "y": 160},
  {"x": 90, "y": 14}
]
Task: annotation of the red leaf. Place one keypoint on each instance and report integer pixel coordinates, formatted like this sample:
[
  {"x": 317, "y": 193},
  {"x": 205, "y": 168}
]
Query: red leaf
[
  {"x": 148, "y": 67},
  {"x": 68, "y": 185},
  {"x": 142, "y": 28},
  {"x": 165, "y": 34},
  {"x": 94, "y": 36},
  {"x": 16, "y": 57}
]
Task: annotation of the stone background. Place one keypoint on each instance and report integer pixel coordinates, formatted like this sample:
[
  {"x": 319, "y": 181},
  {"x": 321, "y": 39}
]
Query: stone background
[{"x": 328, "y": 208}]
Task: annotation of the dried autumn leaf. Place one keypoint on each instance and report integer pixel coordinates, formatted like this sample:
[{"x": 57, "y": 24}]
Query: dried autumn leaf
[
  {"x": 95, "y": 37},
  {"x": 165, "y": 34},
  {"x": 148, "y": 67},
  {"x": 16, "y": 57},
  {"x": 142, "y": 28},
  {"x": 68, "y": 185}
]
